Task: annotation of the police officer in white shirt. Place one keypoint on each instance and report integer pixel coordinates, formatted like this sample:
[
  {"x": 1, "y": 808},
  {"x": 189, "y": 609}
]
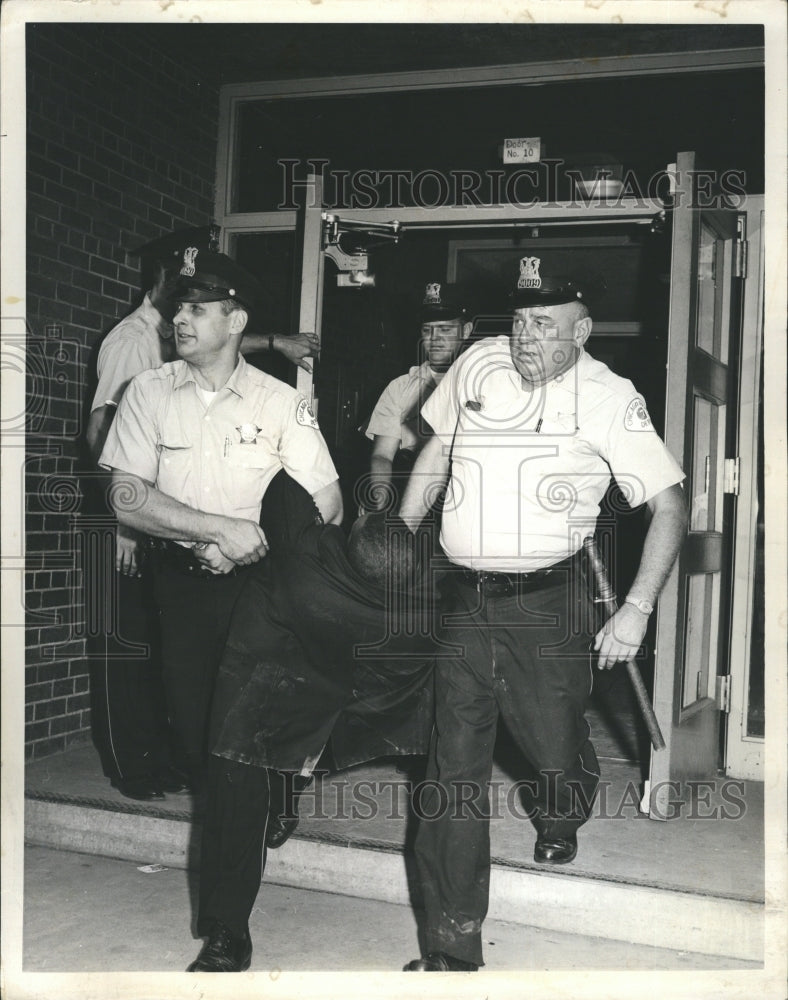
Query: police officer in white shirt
[
  {"x": 528, "y": 429},
  {"x": 395, "y": 428},
  {"x": 129, "y": 719},
  {"x": 192, "y": 449}
]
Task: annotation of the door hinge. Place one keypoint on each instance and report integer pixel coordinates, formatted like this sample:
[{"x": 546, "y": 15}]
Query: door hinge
[
  {"x": 730, "y": 476},
  {"x": 723, "y": 694},
  {"x": 742, "y": 248}
]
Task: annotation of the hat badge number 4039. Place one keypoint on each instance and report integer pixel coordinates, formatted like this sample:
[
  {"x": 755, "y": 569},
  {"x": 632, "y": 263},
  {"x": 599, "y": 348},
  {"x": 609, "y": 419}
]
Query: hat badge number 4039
[
  {"x": 432, "y": 294},
  {"x": 189, "y": 262},
  {"x": 529, "y": 273}
]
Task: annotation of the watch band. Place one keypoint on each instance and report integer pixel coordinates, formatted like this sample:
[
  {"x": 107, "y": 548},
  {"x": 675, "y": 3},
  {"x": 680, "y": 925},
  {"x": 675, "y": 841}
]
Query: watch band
[{"x": 642, "y": 605}]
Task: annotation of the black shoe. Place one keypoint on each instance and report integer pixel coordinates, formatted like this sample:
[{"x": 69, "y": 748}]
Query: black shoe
[
  {"x": 279, "y": 830},
  {"x": 439, "y": 961},
  {"x": 555, "y": 850},
  {"x": 144, "y": 789},
  {"x": 171, "y": 780},
  {"x": 223, "y": 952}
]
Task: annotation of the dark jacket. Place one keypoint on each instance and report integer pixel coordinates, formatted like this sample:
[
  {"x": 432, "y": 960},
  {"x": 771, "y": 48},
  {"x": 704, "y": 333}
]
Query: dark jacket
[{"x": 317, "y": 652}]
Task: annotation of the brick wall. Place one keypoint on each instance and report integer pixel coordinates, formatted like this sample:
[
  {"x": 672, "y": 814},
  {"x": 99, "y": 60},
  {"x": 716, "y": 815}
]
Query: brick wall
[{"x": 121, "y": 148}]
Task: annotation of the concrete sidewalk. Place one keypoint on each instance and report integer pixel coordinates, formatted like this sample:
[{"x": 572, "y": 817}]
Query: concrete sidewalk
[{"x": 85, "y": 913}]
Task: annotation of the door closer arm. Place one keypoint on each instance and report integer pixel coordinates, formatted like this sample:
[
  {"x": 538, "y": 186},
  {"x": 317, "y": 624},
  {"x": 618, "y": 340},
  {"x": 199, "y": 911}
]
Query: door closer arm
[{"x": 353, "y": 267}]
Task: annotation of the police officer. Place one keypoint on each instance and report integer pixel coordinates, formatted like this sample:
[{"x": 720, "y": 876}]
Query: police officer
[
  {"x": 130, "y": 720},
  {"x": 395, "y": 427},
  {"x": 528, "y": 429},
  {"x": 192, "y": 449}
]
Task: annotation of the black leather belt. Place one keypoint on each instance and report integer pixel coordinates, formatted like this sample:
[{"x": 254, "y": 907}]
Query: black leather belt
[
  {"x": 508, "y": 584},
  {"x": 183, "y": 560}
]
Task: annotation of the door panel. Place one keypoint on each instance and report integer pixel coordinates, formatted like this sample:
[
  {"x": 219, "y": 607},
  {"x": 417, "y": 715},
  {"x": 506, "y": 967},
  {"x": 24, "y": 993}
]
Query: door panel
[{"x": 691, "y": 639}]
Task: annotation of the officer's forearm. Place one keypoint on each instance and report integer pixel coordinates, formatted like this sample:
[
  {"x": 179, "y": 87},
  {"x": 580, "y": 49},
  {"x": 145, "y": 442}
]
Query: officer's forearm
[
  {"x": 329, "y": 502},
  {"x": 254, "y": 342},
  {"x": 428, "y": 475},
  {"x": 99, "y": 423},
  {"x": 140, "y": 505},
  {"x": 381, "y": 468},
  {"x": 664, "y": 538}
]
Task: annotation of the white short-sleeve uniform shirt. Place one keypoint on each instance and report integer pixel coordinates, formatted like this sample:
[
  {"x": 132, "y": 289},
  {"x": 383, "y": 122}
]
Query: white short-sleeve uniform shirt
[
  {"x": 396, "y": 413},
  {"x": 142, "y": 340},
  {"x": 221, "y": 457},
  {"x": 529, "y": 466}
]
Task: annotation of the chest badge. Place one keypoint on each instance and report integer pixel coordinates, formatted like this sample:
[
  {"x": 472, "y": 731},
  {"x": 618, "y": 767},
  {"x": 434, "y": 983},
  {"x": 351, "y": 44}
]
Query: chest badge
[{"x": 248, "y": 433}]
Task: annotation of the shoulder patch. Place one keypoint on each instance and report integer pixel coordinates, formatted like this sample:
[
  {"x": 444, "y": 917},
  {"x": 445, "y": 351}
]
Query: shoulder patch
[
  {"x": 305, "y": 415},
  {"x": 636, "y": 418}
]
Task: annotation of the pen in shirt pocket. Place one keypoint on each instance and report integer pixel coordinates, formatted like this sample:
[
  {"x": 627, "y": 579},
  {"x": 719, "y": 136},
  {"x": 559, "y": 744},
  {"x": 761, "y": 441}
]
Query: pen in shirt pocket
[{"x": 226, "y": 447}]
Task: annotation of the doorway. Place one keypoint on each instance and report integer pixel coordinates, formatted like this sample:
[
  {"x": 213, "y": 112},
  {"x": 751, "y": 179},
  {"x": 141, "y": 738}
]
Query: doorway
[{"x": 371, "y": 335}]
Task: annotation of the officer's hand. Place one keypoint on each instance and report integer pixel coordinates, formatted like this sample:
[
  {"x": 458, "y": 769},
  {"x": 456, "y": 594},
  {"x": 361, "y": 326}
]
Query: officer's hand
[
  {"x": 241, "y": 541},
  {"x": 129, "y": 552},
  {"x": 210, "y": 555},
  {"x": 620, "y": 637},
  {"x": 298, "y": 347}
]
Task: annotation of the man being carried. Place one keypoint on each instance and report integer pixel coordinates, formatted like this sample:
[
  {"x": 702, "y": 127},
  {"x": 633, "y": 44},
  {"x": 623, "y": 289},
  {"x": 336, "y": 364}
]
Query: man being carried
[{"x": 331, "y": 641}]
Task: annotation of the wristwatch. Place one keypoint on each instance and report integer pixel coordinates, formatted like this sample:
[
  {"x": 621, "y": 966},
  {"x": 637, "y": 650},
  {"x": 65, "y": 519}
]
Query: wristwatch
[{"x": 645, "y": 606}]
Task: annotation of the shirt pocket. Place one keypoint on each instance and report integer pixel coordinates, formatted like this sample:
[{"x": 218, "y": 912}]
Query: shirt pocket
[
  {"x": 558, "y": 425},
  {"x": 176, "y": 458},
  {"x": 249, "y": 467}
]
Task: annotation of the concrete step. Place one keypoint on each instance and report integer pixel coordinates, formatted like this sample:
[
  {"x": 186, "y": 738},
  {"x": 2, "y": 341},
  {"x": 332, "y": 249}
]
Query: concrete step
[{"x": 332, "y": 853}]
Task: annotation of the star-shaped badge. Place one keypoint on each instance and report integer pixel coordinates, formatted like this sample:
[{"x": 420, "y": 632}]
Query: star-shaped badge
[{"x": 248, "y": 433}]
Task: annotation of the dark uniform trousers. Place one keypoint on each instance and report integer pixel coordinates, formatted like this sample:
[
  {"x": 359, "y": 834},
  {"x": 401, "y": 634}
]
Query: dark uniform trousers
[
  {"x": 526, "y": 659},
  {"x": 194, "y": 616},
  {"x": 239, "y": 798},
  {"x": 128, "y": 703}
]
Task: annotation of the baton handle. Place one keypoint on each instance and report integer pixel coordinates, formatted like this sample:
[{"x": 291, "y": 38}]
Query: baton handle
[{"x": 608, "y": 598}]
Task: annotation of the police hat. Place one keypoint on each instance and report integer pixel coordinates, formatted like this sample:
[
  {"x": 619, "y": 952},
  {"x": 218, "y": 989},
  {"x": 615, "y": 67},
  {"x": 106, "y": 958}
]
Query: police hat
[
  {"x": 206, "y": 276},
  {"x": 536, "y": 288},
  {"x": 442, "y": 301},
  {"x": 169, "y": 248}
]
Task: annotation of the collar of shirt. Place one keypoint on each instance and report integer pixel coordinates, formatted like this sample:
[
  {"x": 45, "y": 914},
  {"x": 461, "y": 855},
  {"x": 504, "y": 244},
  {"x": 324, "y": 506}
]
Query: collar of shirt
[
  {"x": 567, "y": 383},
  {"x": 163, "y": 328},
  {"x": 234, "y": 383}
]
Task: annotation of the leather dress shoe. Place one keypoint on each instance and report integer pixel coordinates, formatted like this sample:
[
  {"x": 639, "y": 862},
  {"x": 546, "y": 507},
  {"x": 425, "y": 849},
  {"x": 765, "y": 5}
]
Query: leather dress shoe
[
  {"x": 171, "y": 780},
  {"x": 224, "y": 952},
  {"x": 555, "y": 850},
  {"x": 145, "y": 788},
  {"x": 439, "y": 961},
  {"x": 280, "y": 829}
]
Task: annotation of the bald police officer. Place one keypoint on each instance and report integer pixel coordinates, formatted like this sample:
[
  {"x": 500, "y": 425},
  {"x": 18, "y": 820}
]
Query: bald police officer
[
  {"x": 528, "y": 429},
  {"x": 395, "y": 428},
  {"x": 192, "y": 449}
]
